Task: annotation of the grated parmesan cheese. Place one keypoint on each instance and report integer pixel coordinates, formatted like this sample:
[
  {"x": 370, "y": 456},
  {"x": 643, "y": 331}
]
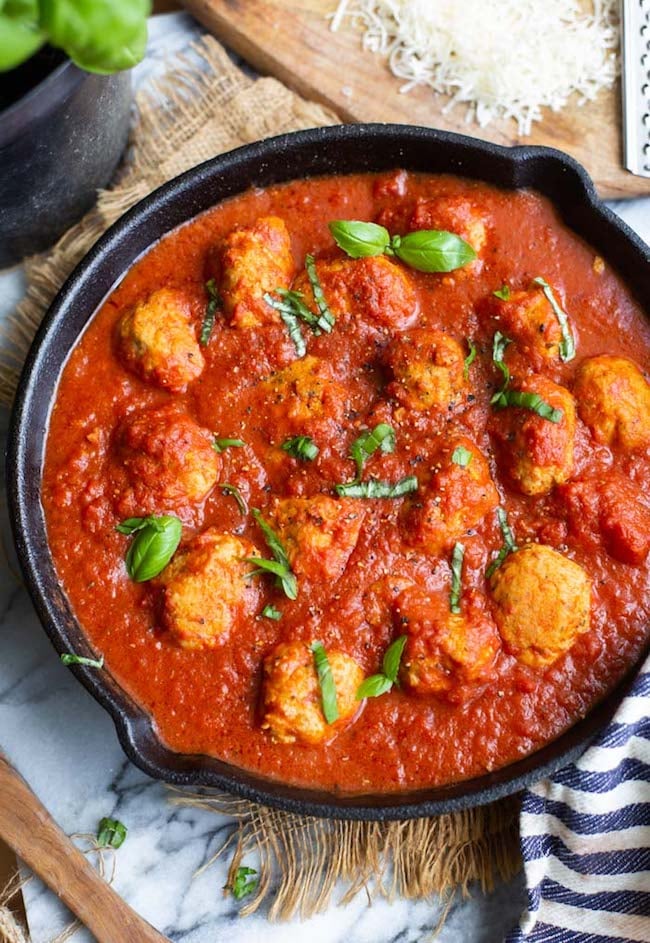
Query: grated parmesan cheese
[{"x": 499, "y": 58}]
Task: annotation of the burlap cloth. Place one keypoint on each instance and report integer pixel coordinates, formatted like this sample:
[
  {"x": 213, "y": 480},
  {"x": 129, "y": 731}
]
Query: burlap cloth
[{"x": 204, "y": 107}]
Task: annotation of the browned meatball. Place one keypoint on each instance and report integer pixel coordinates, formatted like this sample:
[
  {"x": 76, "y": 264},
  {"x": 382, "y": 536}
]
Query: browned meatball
[
  {"x": 452, "y": 500},
  {"x": 319, "y": 534},
  {"x": 304, "y": 395},
  {"x": 166, "y": 462},
  {"x": 528, "y": 319},
  {"x": 613, "y": 399},
  {"x": 373, "y": 289},
  {"x": 536, "y": 453},
  {"x": 156, "y": 339},
  {"x": 204, "y": 590},
  {"x": 291, "y": 694},
  {"x": 446, "y": 653},
  {"x": 248, "y": 263},
  {"x": 428, "y": 370},
  {"x": 543, "y": 602}
]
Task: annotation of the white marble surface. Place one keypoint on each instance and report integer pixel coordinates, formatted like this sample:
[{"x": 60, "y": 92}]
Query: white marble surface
[{"x": 66, "y": 747}]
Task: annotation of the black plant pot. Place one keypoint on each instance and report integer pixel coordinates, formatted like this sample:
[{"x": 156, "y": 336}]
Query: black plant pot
[{"x": 59, "y": 144}]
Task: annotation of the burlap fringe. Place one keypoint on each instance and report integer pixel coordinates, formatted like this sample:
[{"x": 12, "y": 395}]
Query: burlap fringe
[{"x": 303, "y": 860}]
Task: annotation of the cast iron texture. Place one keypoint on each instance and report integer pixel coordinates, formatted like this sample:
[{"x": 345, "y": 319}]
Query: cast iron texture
[
  {"x": 58, "y": 145},
  {"x": 333, "y": 150}
]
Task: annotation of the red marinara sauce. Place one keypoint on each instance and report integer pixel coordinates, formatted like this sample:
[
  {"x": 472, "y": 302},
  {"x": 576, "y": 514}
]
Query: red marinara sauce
[{"x": 130, "y": 435}]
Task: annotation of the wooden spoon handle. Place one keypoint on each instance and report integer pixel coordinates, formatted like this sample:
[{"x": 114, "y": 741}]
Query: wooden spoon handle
[{"x": 28, "y": 828}]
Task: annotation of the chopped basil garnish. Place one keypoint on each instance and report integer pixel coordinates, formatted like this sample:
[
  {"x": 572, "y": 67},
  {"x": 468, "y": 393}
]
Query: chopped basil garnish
[
  {"x": 461, "y": 456},
  {"x": 111, "y": 833},
  {"x": 502, "y": 293},
  {"x": 509, "y": 545},
  {"x": 270, "y": 612},
  {"x": 457, "y": 558},
  {"x": 379, "y": 684},
  {"x": 427, "y": 250},
  {"x": 235, "y": 493},
  {"x": 292, "y": 303},
  {"x": 567, "y": 344},
  {"x": 220, "y": 445},
  {"x": 245, "y": 883},
  {"x": 471, "y": 357},
  {"x": 325, "y": 317},
  {"x": 381, "y": 437},
  {"x": 214, "y": 302},
  {"x": 377, "y": 489},
  {"x": 154, "y": 545},
  {"x": 326, "y": 682},
  {"x": 302, "y": 447},
  {"x": 68, "y": 658},
  {"x": 287, "y": 312},
  {"x": 279, "y": 566},
  {"x": 360, "y": 240},
  {"x": 499, "y": 344},
  {"x": 532, "y": 401}
]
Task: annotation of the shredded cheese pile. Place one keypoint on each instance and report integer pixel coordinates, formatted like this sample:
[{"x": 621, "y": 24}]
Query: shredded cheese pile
[{"x": 501, "y": 58}]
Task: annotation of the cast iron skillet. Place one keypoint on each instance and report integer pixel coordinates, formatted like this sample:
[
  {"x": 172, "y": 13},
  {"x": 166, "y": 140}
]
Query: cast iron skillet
[{"x": 334, "y": 150}]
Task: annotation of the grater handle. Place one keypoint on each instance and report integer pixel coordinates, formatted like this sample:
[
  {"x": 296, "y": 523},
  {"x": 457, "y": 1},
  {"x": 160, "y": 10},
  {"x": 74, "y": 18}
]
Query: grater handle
[{"x": 635, "y": 47}]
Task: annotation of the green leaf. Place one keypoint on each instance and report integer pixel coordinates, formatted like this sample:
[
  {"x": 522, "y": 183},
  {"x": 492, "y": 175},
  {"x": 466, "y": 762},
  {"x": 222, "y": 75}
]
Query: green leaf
[
  {"x": 567, "y": 344},
  {"x": 302, "y": 447},
  {"x": 503, "y": 293},
  {"x": 377, "y": 489},
  {"x": 381, "y": 437},
  {"x": 392, "y": 658},
  {"x": 499, "y": 344},
  {"x": 102, "y": 36},
  {"x": 220, "y": 445},
  {"x": 153, "y": 547},
  {"x": 270, "y": 612},
  {"x": 509, "y": 545},
  {"x": 273, "y": 542},
  {"x": 326, "y": 681},
  {"x": 532, "y": 401},
  {"x": 471, "y": 357},
  {"x": 280, "y": 565},
  {"x": 461, "y": 456},
  {"x": 290, "y": 321},
  {"x": 235, "y": 493},
  {"x": 374, "y": 686},
  {"x": 457, "y": 558},
  {"x": 111, "y": 833},
  {"x": 433, "y": 250},
  {"x": 326, "y": 319},
  {"x": 68, "y": 658},
  {"x": 20, "y": 36},
  {"x": 292, "y": 304},
  {"x": 358, "y": 239},
  {"x": 214, "y": 302},
  {"x": 245, "y": 883},
  {"x": 132, "y": 524}
]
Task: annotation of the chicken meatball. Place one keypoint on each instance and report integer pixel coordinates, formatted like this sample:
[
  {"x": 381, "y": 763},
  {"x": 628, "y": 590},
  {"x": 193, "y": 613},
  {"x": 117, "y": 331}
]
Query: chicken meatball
[
  {"x": 613, "y": 399},
  {"x": 446, "y": 653},
  {"x": 537, "y": 453},
  {"x": 304, "y": 395},
  {"x": 428, "y": 370},
  {"x": 205, "y": 590},
  {"x": 373, "y": 289},
  {"x": 156, "y": 339},
  {"x": 291, "y": 694},
  {"x": 319, "y": 534},
  {"x": 542, "y": 603},
  {"x": 166, "y": 462},
  {"x": 250, "y": 262},
  {"x": 455, "y": 496},
  {"x": 527, "y": 318}
]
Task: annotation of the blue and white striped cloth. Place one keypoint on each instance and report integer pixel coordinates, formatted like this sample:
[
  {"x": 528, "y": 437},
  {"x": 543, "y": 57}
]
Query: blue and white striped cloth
[{"x": 586, "y": 838}]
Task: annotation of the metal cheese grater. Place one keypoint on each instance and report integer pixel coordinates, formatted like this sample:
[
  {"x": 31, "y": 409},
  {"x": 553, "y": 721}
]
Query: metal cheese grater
[{"x": 636, "y": 85}]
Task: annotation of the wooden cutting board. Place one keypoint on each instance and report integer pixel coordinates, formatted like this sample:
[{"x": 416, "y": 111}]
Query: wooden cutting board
[{"x": 291, "y": 40}]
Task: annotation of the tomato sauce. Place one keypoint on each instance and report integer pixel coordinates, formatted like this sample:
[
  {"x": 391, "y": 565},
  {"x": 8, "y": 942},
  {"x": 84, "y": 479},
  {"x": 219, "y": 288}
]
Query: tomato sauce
[{"x": 207, "y": 700}]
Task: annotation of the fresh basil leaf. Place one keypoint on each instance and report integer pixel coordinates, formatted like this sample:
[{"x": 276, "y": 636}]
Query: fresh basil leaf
[
  {"x": 471, "y": 357},
  {"x": 359, "y": 240},
  {"x": 270, "y": 612},
  {"x": 111, "y": 833},
  {"x": 509, "y": 545},
  {"x": 220, "y": 445},
  {"x": 461, "y": 456},
  {"x": 214, "y": 302},
  {"x": 392, "y": 658},
  {"x": 432, "y": 250},
  {"x": 532, "y": 401},
  {"x": 377, "y": 489},
  {"x": 326, "y": 319},
  {"x": 68, "y": 658},
  {"x": 374, "y": 686},
  {"x": 235, "y": 493},
  {"x": 457, "y": 558},
  {"x": 302, "y": 447},
  {"x": 153, "y": 547},
  {"x": 290, "y": 321},
  {"x": 326, "y": 682},
  {"x": 381, "y": 437},
  {"x": 245, "y": 883},
  {"x": 502, "y": 293},
  {"x": 567, "y": 344}
]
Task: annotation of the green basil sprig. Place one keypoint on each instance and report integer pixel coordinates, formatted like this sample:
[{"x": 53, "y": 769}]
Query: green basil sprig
[
  {"x": 509, "y": 545},
  {"x": 111, "y": 833},
  {"x": 427, "y": 250},
  {"x": 379, "y": 684},
  {"x": 457, "y": 557},
  {"x": 155, "y": 543},
  {"x": 326, "y": 682},
  {"x": 567, "y": 346},
  {"x": 302, "y": 447},
  {"x": 245, "y": 883},
  {"x": 279, "y": 566},
  {"x": 377, "y": 489}
]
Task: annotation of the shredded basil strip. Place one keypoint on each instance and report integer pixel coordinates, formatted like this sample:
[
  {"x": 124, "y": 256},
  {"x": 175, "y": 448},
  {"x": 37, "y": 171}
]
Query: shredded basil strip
[
  {"x": 379, "y": 684},
  {"x": 358, "y": 239},
  {"x": 234, "y": 492},
  {"x": 471, "y": 357},
  {"x": 220, "y": 445},
  {"x": 290, "y": 321},
  {"x": 326, "y": 681},
  {"x": 279, "y": 566},
  {"x": 326, "y": 319},
  {"x": 270, "y": 612},
  {"x": 377, "y": 489},
  {"x": 567, "y": 344},
  {"x": 502, "y": 293},
  {"x": 457, "y": 557},
  {"x": 509, "y": 545},
  {"x": 293, "y": 303},
  {"x": 214, "y": 302},
  {"x": 461, "y": 456},
  {"x": 69, "y": 658},
  {"x": 302, "y": 447},
  {"x": 499, "y": 344},
  {"x": 155, "y": 543},
  {"x": 245, "y": 883},
  {"x": 532, "y": 401},
  {"x": 381, "y": 437},
  {"x": 111, "y": 833}
]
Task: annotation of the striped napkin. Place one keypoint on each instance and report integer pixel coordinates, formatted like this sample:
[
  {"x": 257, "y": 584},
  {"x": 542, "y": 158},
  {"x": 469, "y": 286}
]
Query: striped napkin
[{"x": 586, "y": 838}]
